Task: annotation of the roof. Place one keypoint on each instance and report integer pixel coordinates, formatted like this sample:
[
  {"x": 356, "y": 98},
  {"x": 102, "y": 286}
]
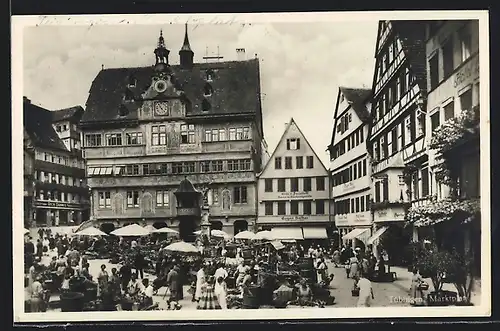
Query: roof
[
  {"x": 412, "y": 37},
  {"x": 292, "y": 122},
  {"x": 357, "y": 98},
  {"x": 67, "y": 114},
  {"x": 185, "y": 186},
  {"x": 38, "y": 125},
  {"x": 235, "y": 86}
]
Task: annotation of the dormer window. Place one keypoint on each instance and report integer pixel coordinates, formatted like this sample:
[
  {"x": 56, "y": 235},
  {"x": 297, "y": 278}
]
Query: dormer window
[
  {"x": 208, "y": 90},
  {"x": 205, "y": 105},
  {"x": 209, "y": 75}
]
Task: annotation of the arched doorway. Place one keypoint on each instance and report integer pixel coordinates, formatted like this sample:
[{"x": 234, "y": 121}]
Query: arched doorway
[
  {"x": 239, "y": 226},
  {"x": 216, "y": 225},
  {"x": 107, "y": 227},
  {"x": 159, "y": 225}
]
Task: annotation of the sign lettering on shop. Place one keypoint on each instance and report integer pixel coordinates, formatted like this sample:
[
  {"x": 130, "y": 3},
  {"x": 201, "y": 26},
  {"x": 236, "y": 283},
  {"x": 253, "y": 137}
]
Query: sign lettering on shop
[
  {"x": 294, "y": 218},
  {"x": 287, "y": 195},
  {"x": 468, "y": 72},
  {"x": 56, "y": 204}
]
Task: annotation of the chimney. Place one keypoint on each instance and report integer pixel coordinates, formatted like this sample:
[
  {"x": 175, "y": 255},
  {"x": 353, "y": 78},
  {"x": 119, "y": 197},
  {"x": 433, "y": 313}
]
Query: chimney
[
  {"x": 240, "y": 54},
  {"x": 26, "y": 100}
]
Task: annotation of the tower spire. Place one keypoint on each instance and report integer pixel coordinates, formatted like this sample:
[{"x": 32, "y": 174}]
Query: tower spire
[
  {"x": 161, "y": 52},
  {"x": 186, "y": 54}
]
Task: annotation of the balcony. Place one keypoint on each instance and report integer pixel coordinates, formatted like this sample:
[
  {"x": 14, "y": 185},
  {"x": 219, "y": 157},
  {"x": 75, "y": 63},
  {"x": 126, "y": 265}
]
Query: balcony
[
  {"x": 114, "y": 151},
  {"x": 184, "y": 211}
]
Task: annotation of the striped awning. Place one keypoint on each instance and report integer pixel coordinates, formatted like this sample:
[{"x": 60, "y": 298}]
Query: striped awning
[
  {"x": 356, "y": 233},
  {"x": 377, "y": 235}
]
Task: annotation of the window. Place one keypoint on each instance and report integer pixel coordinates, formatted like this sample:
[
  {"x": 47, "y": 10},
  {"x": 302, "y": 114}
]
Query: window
[
  {"x": 132, "y": 198},
  {"x": 294, "y": 207},
  {"x": 187, "y": 134},
  {"x": 294, "y": 184},
  {"x": 320, "y": 183},
  {"x": 232, "y": 134},
  {"x": 367, "y": 200},
  {"x": 320, "y": 207},
  {"x": 448, "y": 65},
  {"x": 113, "y": 139},
  {"x": 239, "y": 134},
  {"x": 268, "y": 183},
  {"x": 449, "y": 111},
  {"x": 281, "y": 185},
  {"x": 434, "y": 70},
  {"x": 357, "y": 205},
  {"x": 307, "y": 184},
  {"x": 205, "y": 166},
  {"x": 394, "y": 137},
  {"x": 306, "y": 205},
  {"x": 240, "y": 194},
  {"x": 281, "y": 208},
  {"x": 208, "y": 135},
  {"x": 188, "y": 167},
  {"x": 435, "y": 121},
  {"x": 466, "y": 100},
  {"x": 92, "y": 140},
  {"x": 134, "y": 138},
  {"x": 162, "y": 198},
  {"x": 104, "y": 199},
  {"x": 385, "y": 190},
  {"x": 383, "y": 145},
  {"x": 310, "y": 162},
  {"x": 350, "y": 173},
  {"x": 360, "y": 170},
  {"x": 362, "y": 204},
  {"x": 268, "y": 207},
  {"x": 299, "y": 162},
  {"x": 277, "y": 163},
  {"x": 425, "y": 182},
  {"x": 288, "y": 162},
  {"x": 465, "y": 38},
  {"x": 408, "y": 130},
  {"x": 215, "y": 135},
  {"x": 158, "y": 135},
  {"x": 377, "y": 191},
  {"x": 131, "y": 169},
  {"x": 375, "y": 151},
  {"x": 361, "y": 137},
  {"x": 293, "y": 144},
  {"x": 222, "y": 135}
]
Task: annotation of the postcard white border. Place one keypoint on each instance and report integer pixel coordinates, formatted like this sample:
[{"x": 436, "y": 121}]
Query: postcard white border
[{"x": 20, "y": 22}]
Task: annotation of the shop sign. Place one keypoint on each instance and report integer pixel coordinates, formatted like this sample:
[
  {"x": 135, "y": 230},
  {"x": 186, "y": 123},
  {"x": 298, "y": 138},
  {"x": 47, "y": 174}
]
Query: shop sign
[
  {"x": 467, "y": 73},
  {"x": 389, "y": 215},
  {"x": 291, "y": 195},
  {"x": 54, "y": 204},
  {"x": 295, "y": 218}
]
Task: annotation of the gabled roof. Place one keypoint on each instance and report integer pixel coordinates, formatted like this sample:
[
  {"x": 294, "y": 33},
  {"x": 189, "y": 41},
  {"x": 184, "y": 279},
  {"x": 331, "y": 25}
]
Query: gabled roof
[
  {"x": 67, "y": 114},
  {"x": 235, "y": 85},
  {"x": 357, "y": 98},
  {"x": 38, "y": 125},
  {"x": 292, "y": 122},
  {"x": 413, "y": 39}
]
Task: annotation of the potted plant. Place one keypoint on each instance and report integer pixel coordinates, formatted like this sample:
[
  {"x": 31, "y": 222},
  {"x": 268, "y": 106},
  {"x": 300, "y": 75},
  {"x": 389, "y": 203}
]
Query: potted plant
[{"x": 437, "y": 265}]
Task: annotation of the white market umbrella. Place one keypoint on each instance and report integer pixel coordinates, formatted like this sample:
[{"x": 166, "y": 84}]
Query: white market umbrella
[
  {"x": 245, "y": 235},
  {"x": 263, "y": 235},
  {"x": 91, "y": 231},
  {"x": 165, "y": 230},
  {"x": 132, "y": 230},
  {"x": 182, "y": 247},
  {"x": 150, "y": 228},
  {"x": 197, "y": 232},
  {"x": 26, "y": 231},
  {"x": 219, "y": 234}
]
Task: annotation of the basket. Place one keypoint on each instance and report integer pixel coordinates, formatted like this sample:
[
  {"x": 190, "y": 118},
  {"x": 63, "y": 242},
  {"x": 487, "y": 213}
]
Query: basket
[
  {"x": 355, "y": 292},
  {"x": 423, "y": 286}
]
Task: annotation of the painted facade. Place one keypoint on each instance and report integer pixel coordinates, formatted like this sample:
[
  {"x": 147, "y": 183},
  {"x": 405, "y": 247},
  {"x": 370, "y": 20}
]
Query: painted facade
[{"x": 171, "y": 123}]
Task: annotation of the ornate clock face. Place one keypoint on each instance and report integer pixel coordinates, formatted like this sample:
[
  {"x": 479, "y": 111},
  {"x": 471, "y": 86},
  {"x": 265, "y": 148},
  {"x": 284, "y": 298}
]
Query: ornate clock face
[
  {"x": 160, "y": 86},
  {"x": 161, "y": 108}
]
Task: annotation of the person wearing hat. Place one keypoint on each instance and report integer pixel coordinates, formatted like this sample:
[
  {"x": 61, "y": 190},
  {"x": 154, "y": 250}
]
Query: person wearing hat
[{"x": 37, "y": 295}]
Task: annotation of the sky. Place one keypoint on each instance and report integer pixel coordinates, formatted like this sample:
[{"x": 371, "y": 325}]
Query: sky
[{"x": 302, "y": 64}]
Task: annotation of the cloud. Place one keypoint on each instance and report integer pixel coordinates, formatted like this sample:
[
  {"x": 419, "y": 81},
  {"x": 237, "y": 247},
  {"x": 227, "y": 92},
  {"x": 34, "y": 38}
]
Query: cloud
[{"x": 302, "y": 64}]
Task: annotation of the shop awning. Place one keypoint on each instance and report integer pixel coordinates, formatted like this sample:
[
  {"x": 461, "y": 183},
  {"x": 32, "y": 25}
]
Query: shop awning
[
  {"x": 287, "y": 233},
  {"x": 315, "y": 233},
  {"x": 355, "y": 233},
  {"x": 277, "y": 245},
  {"x": 377, "y": 234}
]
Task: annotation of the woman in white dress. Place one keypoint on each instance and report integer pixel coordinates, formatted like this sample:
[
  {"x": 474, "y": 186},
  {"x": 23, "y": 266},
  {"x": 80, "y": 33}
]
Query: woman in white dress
[
  {"x": 200, "y": 280},
  {"x": 221, "y": 292}
]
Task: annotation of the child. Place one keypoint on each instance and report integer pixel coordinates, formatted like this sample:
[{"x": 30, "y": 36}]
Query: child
[{"x": 365, "y": 291}]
